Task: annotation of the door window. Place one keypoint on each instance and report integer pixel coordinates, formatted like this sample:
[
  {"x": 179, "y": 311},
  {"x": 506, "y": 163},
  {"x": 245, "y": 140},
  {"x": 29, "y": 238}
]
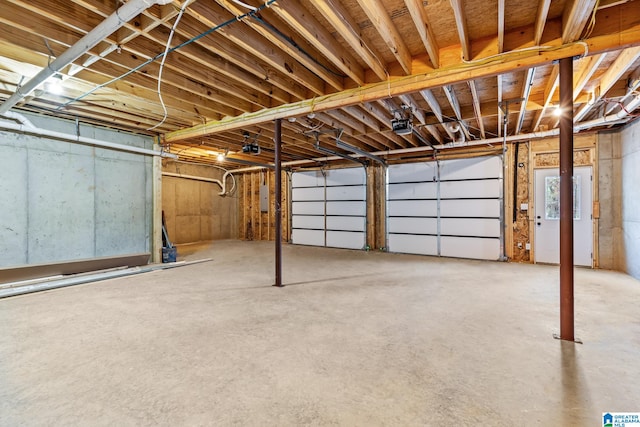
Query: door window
[{"x": 552, "y": 197}]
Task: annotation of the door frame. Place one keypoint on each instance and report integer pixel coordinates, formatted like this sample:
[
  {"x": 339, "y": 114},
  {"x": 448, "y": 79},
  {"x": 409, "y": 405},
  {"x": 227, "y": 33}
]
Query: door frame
[
  {"x": 588, "y": 210},
  {"x": 541, "y": 156}
]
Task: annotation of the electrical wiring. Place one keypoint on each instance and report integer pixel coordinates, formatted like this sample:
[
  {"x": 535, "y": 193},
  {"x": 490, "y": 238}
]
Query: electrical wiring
[
  {"x": 166, "y": 50},
  {"x": 213, "y": 29},
  {"x": 294, "y": 44},
  {"x": 226, "y": 171},
  {"x": 248, "y": 6}
]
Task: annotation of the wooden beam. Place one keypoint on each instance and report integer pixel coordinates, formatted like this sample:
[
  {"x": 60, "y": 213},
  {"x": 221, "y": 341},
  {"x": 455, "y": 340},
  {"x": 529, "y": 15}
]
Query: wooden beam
[
  {"x": 417, "y": 82},
  {"x": 268, "y": 34},
  {"x": 526, "y": 91},
  {"x": 431, "y": 100},
  {"x": 259, "y": 47},
  {"x": 575, "y": 17},
  {"x": 501, "y": 6},
  {"x": 500, "y": 112},
  {"x": 541, "y": 20},
  {"x": 552, "y": 85},
  {"x": 381, "y": 20},
  {"x": 455, "y": 105},
  {"x": 296, "y": 15},
  {"x": 419, "y": 114},
  {"x": 340, "y": 18},
  {"x": 588, "y": 66},
  {"x": 420, "y": 20},
  {"x": 476, "y": 107},
  {"x": 615, "y": 71},
  {"x": 461, "y": 25}
]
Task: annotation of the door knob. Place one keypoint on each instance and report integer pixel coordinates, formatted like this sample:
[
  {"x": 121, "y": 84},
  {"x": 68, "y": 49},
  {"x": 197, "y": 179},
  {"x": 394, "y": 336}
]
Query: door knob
[
  {"x": 538, "y": 217},
  {"x": 539, "y": 224}
]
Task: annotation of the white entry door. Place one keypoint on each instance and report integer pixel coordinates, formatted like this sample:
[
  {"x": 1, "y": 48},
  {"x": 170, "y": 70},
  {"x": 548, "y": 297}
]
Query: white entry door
[{"x": 547, "y": 216}]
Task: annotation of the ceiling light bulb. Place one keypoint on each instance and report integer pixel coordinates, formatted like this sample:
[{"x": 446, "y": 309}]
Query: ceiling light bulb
[
  {"x": 220, "y": 157},
  {"x": 54, "y": 85},
  {"x": 557, "y": 112}
]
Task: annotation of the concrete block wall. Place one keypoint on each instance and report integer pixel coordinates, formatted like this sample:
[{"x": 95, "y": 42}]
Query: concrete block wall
[
  {"x": 194, "y": 211},
  {"x": 63, "y": 201}
]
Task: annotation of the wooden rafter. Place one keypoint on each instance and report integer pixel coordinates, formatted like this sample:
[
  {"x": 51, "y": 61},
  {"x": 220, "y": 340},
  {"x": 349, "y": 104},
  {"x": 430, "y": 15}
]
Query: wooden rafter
[
  {"x": 303, "y": 22},
  {"x": 455, "y": 106},
  {"x": 384, "y": 25},
  {"x": 476, "y": 107},
  {"x": 421, "y": 21},
  {"x": 334, "y": 12},
  {"x": 526, "y": 92},
  {"x": 549, "y": 91},
  {"x": 461, "y": 25},
  {"x": 609, "y": 78},
  {"x": 501, "y": 9},
  {"x": 575, "y": 18},
  {"x": 584, "y": 73},
  {"x": 541, "y": 20},
  {"x": 374, "y": 91}
]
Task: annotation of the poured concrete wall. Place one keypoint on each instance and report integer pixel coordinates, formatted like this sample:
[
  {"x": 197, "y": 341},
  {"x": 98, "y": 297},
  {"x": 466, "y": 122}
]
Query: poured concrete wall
[
  {"x": 63, "y": 201},
  {"x": 194, "y": 211},
  {"x": 630, "y": 166},
  {"x": 619, "y": 155}
]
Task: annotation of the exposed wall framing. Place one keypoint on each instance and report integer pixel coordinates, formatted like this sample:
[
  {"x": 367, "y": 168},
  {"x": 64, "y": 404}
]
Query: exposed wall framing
[
  {"x": 544, "y": 154},
  {"x": 376, "y": 207},
  {"x": 256, "y": 223}
]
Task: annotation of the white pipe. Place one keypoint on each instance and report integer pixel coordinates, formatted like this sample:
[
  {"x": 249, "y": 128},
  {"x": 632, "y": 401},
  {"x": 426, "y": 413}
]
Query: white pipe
[
  {"x": 229, "y": 172},
  {"x": 193, "y": 177},
  {"x": 19, "y": 118},
  {"x": 611, "y": 118},
  {"x": 128, "y": 11},
  {"x": 82, "y": 140}
]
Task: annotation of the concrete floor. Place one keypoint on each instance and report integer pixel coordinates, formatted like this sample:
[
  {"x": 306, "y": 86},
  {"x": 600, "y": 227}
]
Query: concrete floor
[{"x": 355, "y": 339}]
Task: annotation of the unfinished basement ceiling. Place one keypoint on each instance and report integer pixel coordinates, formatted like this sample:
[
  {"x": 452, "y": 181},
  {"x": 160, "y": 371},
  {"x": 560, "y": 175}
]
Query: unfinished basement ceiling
[{"x": 338, "y": 67}]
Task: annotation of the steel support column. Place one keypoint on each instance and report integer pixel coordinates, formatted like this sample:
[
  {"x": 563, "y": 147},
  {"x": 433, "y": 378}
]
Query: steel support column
[
  {"x": 566, "y": 200},
  {"x": 278, "y": 201}
]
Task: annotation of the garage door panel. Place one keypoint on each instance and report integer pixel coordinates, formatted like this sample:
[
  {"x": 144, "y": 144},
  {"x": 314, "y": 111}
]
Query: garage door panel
[
  {"x": 307, "y": 179},
  {"x": 476, "y": 189},
  {"x": 347, "y": 193},
  {"x": 345, "y": 239},
  {"x": 487, "y": 208},
  {"x": 413, "y": 244},
  {"x": 473, "y": 168},
  {"x": 307, "y": 237},
  {"x": 352, "y": 176},
  {"x": 413, "y": 208},
  {"x": 312, "y": 193},
  {"x": 346, "y": 223},
  {"x": 307, "y": 221},
  {"x": 420, "y": 190},
  {"x": 462, "y": 217},
  {"x": 412, "y": 172},
  {"x": 413, "y": 225},
  {"x": 332, "y": 204},
  {"x": 468, "y": 247},
  {"x": 346, "y": 208},
  {"x": 480, "y": 227},
  {"x": 307, "y": 208}
]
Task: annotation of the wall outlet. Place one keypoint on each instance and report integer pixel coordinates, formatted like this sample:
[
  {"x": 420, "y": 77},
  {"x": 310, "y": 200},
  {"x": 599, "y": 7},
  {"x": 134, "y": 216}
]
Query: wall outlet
[
  {"x": 524, "y": 206},
  {"x": 528, "y": 246}
]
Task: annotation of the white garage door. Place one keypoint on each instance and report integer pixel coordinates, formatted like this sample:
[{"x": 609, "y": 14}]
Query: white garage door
[
  {"x": 329, "y": 208},
  {"x": 448, "y": 208}
]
